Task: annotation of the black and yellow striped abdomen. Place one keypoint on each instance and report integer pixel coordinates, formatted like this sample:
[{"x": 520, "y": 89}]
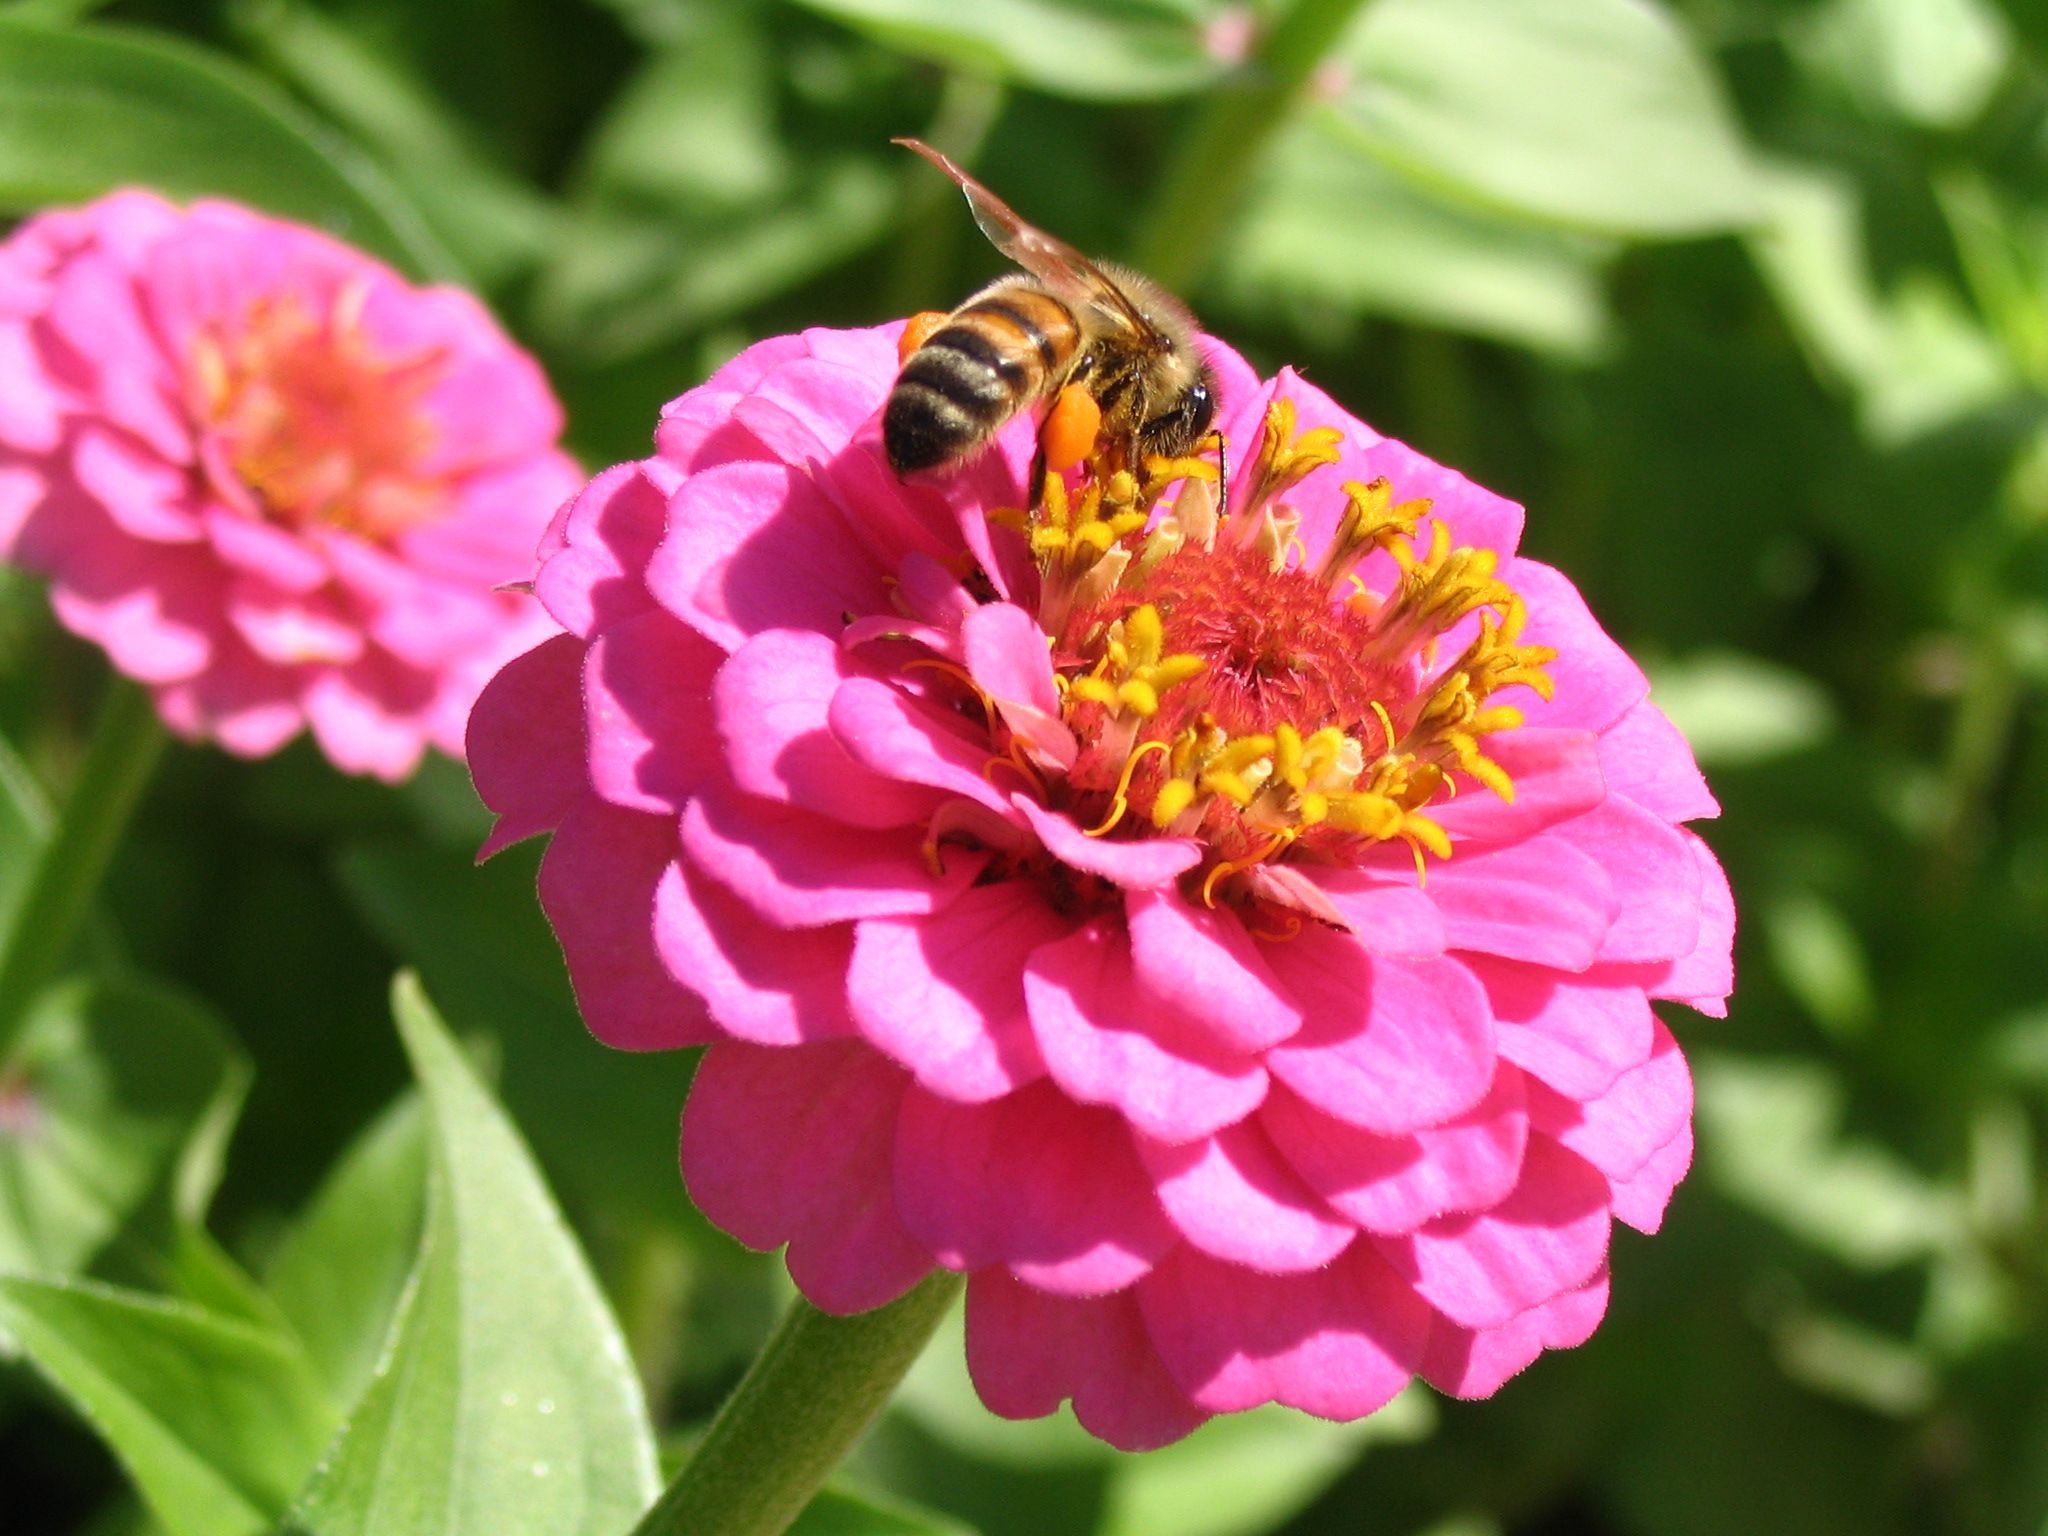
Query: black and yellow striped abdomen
[{"x": 1001, "y": 350}]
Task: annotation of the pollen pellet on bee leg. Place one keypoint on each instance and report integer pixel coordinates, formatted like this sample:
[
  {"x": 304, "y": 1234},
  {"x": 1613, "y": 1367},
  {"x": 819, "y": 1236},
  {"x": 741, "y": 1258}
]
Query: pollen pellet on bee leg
[
  {"x": 1071, "y": 427},
  {"x": 918, "y": 330}
]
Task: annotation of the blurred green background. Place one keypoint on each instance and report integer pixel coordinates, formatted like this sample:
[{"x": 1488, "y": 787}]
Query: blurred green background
[{"x": 1747, "y": 301}]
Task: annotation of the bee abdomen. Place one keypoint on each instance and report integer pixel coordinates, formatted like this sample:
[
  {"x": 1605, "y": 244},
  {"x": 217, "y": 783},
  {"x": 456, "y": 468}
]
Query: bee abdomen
[{"x": 972, "y": 375}]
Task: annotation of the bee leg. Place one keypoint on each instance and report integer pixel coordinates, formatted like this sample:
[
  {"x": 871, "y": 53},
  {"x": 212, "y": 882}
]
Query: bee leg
[
  {"x": 1036, "y": 488},
  {"x": 1222, "y": 478}
]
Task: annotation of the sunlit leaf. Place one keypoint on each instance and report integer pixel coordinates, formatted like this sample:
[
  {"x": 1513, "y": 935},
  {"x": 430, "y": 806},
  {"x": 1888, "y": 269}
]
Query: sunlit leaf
[
  {"x": 1107, "y": 49},
  {"x": 1330, "y": 236},
  {"x": 1770, "y": 1138},
  {"x": 341, "y": 1269},
  {"x": 216, "y": 1421},
  {"x": 1930, "y": 61},
  {"x": 1598, "y": 114},
  {"x": 171, "y": 116},
  {"x": 505, "y": 1403},
  {"x": 500, "y": 224},
  {"x": 101, "y": 1098},
  {"x": 1737, "y": 710}
]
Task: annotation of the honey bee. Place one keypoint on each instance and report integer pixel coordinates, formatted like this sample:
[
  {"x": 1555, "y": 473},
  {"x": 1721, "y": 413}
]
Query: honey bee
[{"x": 1113, "y": 351}]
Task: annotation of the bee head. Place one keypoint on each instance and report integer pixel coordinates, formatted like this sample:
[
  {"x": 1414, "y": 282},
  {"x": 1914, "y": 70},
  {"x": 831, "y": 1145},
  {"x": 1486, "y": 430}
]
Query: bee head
[{"x": 1176, "y": 429}]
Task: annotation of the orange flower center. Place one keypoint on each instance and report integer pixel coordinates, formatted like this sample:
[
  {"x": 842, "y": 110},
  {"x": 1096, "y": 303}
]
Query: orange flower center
[{"x": 318, "y": 424}]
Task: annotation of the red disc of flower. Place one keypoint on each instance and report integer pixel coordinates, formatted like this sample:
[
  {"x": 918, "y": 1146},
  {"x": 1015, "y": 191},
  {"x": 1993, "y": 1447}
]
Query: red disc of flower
[
  {"x": 273, "y": 480},
  {"x": 1227, "y": 935}
]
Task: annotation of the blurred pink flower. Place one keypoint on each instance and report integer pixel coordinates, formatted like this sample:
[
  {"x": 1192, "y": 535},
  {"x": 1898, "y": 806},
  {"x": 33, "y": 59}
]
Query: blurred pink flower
[
  {"x": 1230, "y": 943},
  {"x": 273, "y": 480}
]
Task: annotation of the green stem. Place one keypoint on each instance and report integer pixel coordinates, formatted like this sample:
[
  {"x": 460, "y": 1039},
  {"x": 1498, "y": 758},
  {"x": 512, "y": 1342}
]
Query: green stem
[
  {"x": 1213, "y": 163},
  {"x": 126, "y": 742},
  {"x": 812, "y": 1393}
]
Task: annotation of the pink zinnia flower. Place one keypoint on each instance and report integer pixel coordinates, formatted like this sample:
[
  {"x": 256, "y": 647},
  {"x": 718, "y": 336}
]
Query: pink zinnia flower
[
  {"x": 1230, "y": 942},
  {"x": 274, "y": 481}
]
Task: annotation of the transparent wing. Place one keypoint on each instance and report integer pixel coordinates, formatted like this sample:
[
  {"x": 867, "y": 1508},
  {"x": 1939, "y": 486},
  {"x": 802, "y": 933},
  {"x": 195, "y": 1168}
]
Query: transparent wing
[{"x": 1065, "y": 271}]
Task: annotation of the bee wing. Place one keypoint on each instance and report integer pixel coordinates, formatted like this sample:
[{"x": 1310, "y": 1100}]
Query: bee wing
[{"x": 1064, "y": 270}]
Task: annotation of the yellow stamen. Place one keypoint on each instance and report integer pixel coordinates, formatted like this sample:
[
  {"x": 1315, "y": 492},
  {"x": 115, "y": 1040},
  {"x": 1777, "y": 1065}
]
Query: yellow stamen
[{"x": 1119, "y": 802}]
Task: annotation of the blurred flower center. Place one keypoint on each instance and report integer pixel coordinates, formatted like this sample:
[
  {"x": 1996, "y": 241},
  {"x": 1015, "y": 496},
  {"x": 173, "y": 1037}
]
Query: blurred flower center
[
  {"x": 319, "y": 425},
  {"x": 1225, "y": 683}
]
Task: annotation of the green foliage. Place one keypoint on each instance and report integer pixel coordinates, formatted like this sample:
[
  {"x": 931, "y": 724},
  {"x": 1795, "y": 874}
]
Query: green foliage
[
  {"x": 174, "y": 118},
  {"x": 214, "y": 1419},
  {"x": 114, "y": 1093},
  {"x": 505, "y": 1401}
]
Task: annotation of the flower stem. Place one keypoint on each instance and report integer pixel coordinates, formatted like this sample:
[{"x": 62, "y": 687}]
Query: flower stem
[
  {"x": 127, "y": 739},
  {"x": 809, "y": 1396},
  {"x": 1213, "y": 163}
]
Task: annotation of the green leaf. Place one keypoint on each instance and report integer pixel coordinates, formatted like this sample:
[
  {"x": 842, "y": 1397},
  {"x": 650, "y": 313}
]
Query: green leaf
[
  {"x": 174, "y": 117},
  {"x": 1737, "y": 710},
  {"x": 1597, "y": 114},
  {"x": 603, "y": 1121},
  {"x": 505, "y": 1403},
  {"x": 1109, "y": 50},
  {"x": 342, "y": 1267},
  {"x": 111, "y": 1101},
  {"x": 216, "y": 1421},
  {"x": 499, "y": 222},
  {"x": 1329, "y": 236},
  {"x": 1916, "y": 359},
  {"x": 24, "y": 826},
  {"x": 693, "y": 204},
  {"x": 841, "y": 1512},
  {"x": 1770, "y": 1136},
  {"x": 1934, "y": 62}
]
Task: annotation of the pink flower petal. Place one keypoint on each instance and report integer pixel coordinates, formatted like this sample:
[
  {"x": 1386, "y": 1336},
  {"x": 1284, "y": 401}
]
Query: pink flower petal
[
  {"x": 1576, "y": 1035},
  {"x": 647, "y": 711},
  {"x": 597, "y": 883},
  {"x": 1641, "y": 1198},
  {"x": 1028, "y": 1352},
  {"x": 753, "y": 547},
  {"x": 1388, "y": 1045},
  {"x": 1463, "y": 1363},
  {"x": 1556, "y": 775},
  {"x": 773, "y": 700},
  {"x": 1545, "y": 901},
  {"x": 1337, "y": 1342},
  {"x": 144, "y": 496},
  {"x": 1047, "y": 1187},
  {"x": 290, "y": 629},
  {"x": 1644, "y": 756},
  {"x": 607, "y": 534},
  {"x": 367, "y": 717},
  {"x": 1546, "y": 1238},
  {"x": 525, "y": 742},
  {"x": 771, "y": 986},
  {"x": 1702, "y": 979},
  {"x": 1006, "y": 653},
  {"x": 797, "y": 870},
  {"x": 1201, "y": 964},
  {"x": 1143, "y": 864},
  {"x": 1619, "y": 1131},
  {"x": 153, "y": 610},
  {"x": 1655, "y": 880},
  {"x": 1233, "y": 1197},
  {"x": 1105, "y": 1044},
  {"x": 944, "y": 994},
  {"x": 753, "y": 1130},
  {"x": 903, "y": 741},
  {"x": 1596, "y": 683},
  {"x": 1386, "y": 916},
  {"x": 1394, "y": 1184}
]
